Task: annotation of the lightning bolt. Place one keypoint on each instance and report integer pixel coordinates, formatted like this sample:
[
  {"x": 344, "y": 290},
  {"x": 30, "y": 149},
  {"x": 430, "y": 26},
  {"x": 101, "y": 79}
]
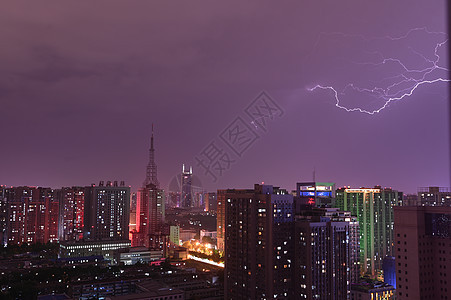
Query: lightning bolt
[{"x": 403, "y": 85}]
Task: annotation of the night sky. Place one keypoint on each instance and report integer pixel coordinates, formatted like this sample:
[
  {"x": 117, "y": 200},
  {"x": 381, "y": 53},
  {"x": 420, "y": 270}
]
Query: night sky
[{"x": 82, "y": 82}]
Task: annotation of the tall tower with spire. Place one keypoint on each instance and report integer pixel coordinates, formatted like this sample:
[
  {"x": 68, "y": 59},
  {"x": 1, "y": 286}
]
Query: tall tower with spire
[
  {"x": 150, "y": 208},
  {"x": 151, "y": 174}
]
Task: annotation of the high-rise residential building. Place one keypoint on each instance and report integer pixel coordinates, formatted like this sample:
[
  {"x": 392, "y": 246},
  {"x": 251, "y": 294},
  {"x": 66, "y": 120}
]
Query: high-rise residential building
[
  {"x": 326, "y": 254},
  {"x": 374, "y": 211},
  {"x": 3, "y": 215},
  {"x": 319, "y": 194},
  {"x": 32, "y": 215},
  {"x": 71, "y": 216},
  {"x": 220, "y": 218},
  {"x": 258, "y": 243},
  {"x": 107, "y": 212},
  {"x": 210, "y": 202},
  {"x": 423, "y": 252},
  {"x": 273, "y": 249},
  {"x": 187, "y": 196},
  {"x": 434, "y": 196},
  {"x": 174, "y": 235}
]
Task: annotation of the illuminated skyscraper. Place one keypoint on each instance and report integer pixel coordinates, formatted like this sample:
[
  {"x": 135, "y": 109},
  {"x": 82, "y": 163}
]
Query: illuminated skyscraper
[
  {"x": 150, "y": 208},
  {"x": 374, "y": 211},
  {"x": 187, "y": 188}
]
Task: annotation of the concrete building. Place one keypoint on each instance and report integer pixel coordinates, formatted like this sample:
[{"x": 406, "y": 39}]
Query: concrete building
[
  {"x": 140, "y": 255},
  {"x": 71, "y": 214},
  {"x": 326, "y": 254},
  {"x": 32, "y": 215},
  {"x": 434, "y": 196},
  {"x": 423, "y": 252},
  {"x": 220, "y": 218},
  {"x": 210, "y": 202},
  {"x": 107, "y": 212},
  {"x": 174, "y": 235},
  {"x": 108, "y": 249},
  {"x": 258, "y": 243},
  {"x": 3, "y": 215},
  {"x": 374, "y": 211},
  {"x": 150, "y": 214}
]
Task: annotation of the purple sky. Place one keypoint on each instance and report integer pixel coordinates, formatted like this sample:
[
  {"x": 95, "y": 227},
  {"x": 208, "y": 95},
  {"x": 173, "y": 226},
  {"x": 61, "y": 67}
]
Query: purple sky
[{"x": 82, "y": 82}]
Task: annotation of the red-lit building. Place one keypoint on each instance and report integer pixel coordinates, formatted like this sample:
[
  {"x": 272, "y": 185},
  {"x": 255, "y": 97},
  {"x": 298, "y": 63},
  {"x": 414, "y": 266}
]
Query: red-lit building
[
  {"x": 72, "y": 205},
  {"x": 149, "y": 216},
  {"x": 32, "y": 215}
]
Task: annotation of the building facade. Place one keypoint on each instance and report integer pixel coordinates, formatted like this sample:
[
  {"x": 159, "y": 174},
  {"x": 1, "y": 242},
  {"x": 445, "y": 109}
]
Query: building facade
[
  {"x": 32, "y": 215},
  {"x": 72, "y": 208},
  {"x": 107, "y": 212},
  {"x": 258, "y": 245},
  {"x": 423, "y": 252},
  {"x": 187, "y": 196},
  {"x": 319, "y": 194},
  {"x": 434, "y": 196},
  {"x": 326, "y": 256},
  {"x": 374, "y": 211}
]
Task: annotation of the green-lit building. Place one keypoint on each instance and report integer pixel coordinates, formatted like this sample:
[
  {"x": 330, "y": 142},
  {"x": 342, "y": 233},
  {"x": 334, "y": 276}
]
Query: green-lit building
[{"x": 374, "y": 211}]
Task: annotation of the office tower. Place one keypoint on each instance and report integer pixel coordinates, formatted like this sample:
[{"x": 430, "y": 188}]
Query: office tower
[
  {"x": 72, "y": 208},
  {"x": 326, "y": 254},
  {"x": 107, "y": 212},
  {"x": 374, "y": 211},
  {"x": 150, "y": 205},
  {"x": 434, "y": 196},
  {"x": 319, "y": 194},
  {"x": 33, "y": 215},
  {"x": 423, "y": 252},
  {"x": 258, "y": 244},
  {"x": 186, "y": 188}
]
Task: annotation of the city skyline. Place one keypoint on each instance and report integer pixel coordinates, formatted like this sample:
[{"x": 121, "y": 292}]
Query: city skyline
[{"x": 81, "y": 97}]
